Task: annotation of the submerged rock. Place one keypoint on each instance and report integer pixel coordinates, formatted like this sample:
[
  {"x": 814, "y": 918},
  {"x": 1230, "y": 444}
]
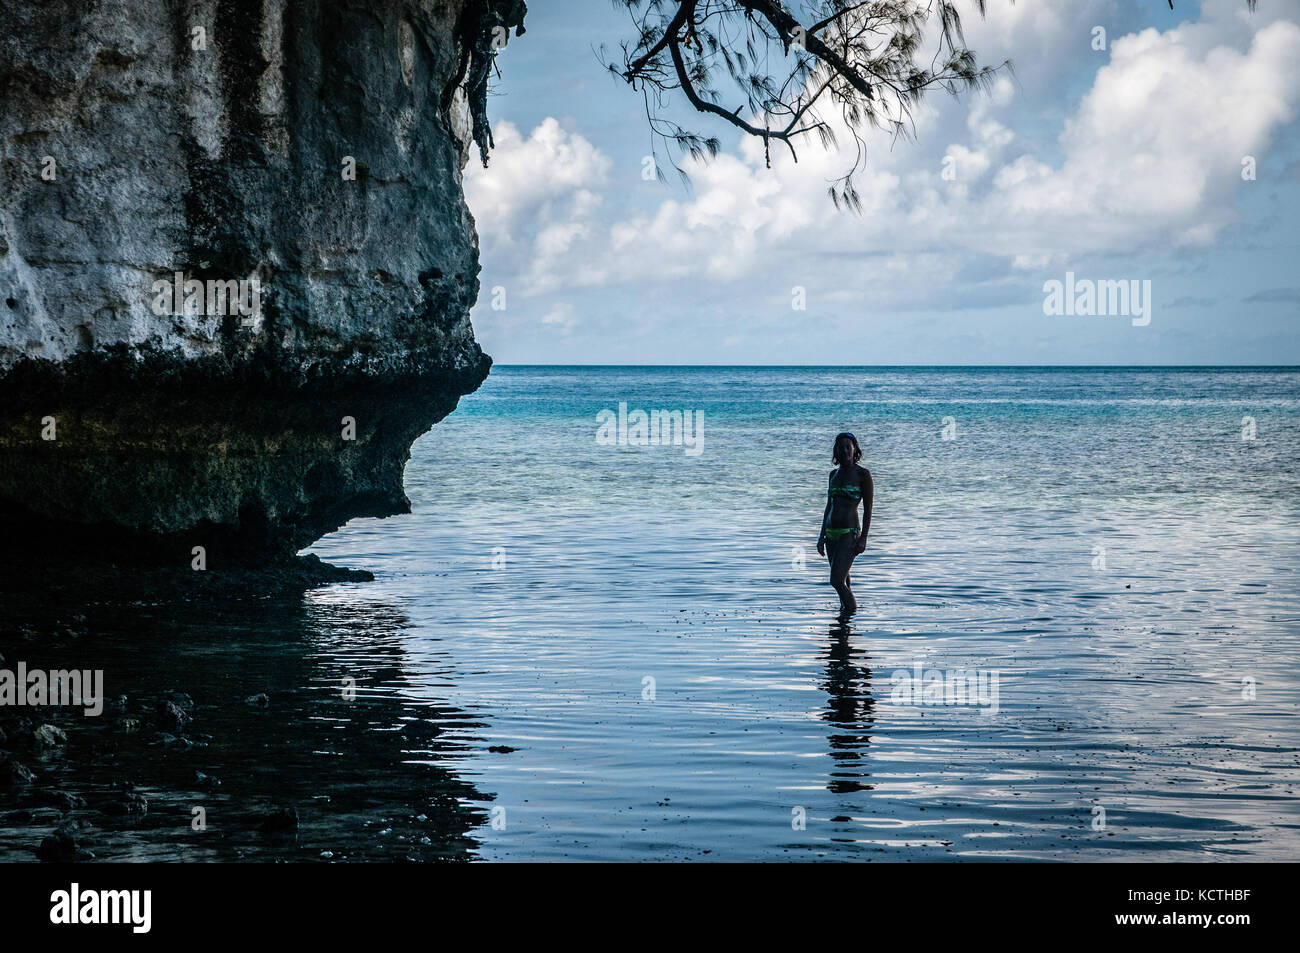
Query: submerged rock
[
  {"x": 421, "y": 729},
  {"x": 48, "y": 738},
  {"x": 127, "y": 725},
  {"x": 125, "y": 801},
  {"x": 283, "y": 822},
  {"x": 63, "y": 800},
  {"x": 14, "y": 773},
  {"x": 313, "y": 153},
  {"x": 181, "y": 700},
  {"x": 64, "y": 844},
  {"x": 171, "y": 718}
]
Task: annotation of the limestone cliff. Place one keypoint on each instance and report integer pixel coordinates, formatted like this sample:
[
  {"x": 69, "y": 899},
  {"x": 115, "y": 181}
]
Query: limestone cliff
[{"x": 310, "y": 149}]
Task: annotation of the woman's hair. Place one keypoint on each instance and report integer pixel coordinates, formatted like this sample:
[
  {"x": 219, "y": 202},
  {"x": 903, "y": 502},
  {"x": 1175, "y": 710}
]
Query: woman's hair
[{"x": 835, "y": 449}]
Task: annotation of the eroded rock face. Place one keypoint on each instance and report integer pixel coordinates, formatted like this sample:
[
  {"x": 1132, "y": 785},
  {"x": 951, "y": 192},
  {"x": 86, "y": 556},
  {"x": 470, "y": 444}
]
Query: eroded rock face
[{"x": 310, "y": 148}]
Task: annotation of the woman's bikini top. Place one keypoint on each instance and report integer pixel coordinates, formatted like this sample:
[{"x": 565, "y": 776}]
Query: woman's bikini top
[{"x": 851, "y": 492}]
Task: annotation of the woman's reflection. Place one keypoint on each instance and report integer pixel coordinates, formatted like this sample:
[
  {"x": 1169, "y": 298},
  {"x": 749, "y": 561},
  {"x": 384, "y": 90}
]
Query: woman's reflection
[{"x": 850, "y": 709}]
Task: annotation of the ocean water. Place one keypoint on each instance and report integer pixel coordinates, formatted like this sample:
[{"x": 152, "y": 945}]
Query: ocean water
[
  {"x": 650, "y": 629},
  {"x": 582, "y": 651}
]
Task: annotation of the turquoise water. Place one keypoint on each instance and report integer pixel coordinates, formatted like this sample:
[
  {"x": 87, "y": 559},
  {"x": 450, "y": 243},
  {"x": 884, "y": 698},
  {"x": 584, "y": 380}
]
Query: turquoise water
[{"x": 651, "y": 630}]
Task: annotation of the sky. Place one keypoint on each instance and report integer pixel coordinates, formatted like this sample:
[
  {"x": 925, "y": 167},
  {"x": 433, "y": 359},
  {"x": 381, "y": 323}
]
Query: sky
[{"x": 1126, "y": 163}]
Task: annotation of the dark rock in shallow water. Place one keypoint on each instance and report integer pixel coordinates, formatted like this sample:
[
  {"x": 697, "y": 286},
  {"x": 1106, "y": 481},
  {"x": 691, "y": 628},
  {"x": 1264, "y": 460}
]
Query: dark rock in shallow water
[
  {"x": 17, "y": 727},
  {"x": 421, "y": 730},
  {"x": 134, "y": 428},
  {"x": 47, "y": 738},
  {"x": 171, "y": 718},
  {"x": 63, "y": 800},
  {"x": 165, "y": 740},
  {"x": 260, "y": 700},
  {"x": 181, "y": 700},
  {"x": 16, "y": 731},
  {"x": 55, "y": 582},
  {"x": 64, "y": 845},
  {"x": 282, "y": 823},
  {"x": 126, "y": 802},
  {"x": 14, "y": 773}
]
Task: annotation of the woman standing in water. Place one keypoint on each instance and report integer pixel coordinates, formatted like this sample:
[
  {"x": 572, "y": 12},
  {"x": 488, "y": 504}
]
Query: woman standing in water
[{"x": 850, "y": 485}]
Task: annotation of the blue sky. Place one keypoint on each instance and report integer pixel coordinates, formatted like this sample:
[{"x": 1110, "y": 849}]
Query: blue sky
[{"x": 1115, "y": 164}]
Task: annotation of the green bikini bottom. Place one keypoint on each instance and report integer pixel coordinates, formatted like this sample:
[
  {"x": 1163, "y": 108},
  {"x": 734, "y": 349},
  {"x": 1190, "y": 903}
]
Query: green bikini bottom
[{"x": 834, "y": 535}]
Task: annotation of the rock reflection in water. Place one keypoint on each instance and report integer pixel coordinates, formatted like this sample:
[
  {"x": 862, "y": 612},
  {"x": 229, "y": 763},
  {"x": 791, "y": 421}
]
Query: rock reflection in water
[{"x": 288, "y": 724}]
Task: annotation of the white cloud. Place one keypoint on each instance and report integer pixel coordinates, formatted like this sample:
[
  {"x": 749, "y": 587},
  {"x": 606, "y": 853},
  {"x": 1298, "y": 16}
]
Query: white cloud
[
  {"x": 561, "y": 316},
  {"x": 1144, "y": 157},
  {"x": 550, "y": 178},
  {"x": 1154, "y": 150}
]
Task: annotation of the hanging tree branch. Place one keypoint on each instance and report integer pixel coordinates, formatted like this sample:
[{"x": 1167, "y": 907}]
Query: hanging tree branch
[
  {"x": 861, "y": 57},
  {"x": 866, "y": 58}
]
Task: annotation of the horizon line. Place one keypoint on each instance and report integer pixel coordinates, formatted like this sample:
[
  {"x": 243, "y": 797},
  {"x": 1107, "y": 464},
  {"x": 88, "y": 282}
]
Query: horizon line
[{"x": 953, "y": 366}]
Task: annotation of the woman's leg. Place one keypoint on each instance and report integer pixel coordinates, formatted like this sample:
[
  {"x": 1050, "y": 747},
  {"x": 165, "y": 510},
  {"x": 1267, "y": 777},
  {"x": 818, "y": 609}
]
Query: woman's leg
[{"x": 842, "y": 555}]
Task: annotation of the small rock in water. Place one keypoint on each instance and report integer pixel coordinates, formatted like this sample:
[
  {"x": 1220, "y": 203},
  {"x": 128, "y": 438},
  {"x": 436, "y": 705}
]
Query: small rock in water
[
  {"x": 327, "y": 854},
  {"x": 180, "y": 700},
  {"x": 206, "y": 780},
  {"x": 18, "y": 728},
  {"x": 171, "y": 718},
  {"x": 48, "y": 736},
  {"x": 260, "y": 700},
  {"x": 127, "y": 802},
  {"x": 63, "y": 846},
  {"x": 421, "y": 730},
  {"x": 283, "y": 822},
  {"x": 502, "y": 749},
  {"x": 172, "y": 741},
  {"x": 63, "y": 800},
  {"x": 13, "y": 773}
]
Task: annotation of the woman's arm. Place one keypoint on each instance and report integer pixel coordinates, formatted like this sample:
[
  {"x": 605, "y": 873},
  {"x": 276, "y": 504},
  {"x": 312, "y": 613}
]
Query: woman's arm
[
  {"x": 826, "y": 514},
  {"x": 868, "y": 497}
]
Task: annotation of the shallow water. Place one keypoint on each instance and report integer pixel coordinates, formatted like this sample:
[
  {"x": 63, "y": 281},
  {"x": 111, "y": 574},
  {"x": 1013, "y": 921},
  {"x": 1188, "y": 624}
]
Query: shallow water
[{"x": 646, "y": 635}]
